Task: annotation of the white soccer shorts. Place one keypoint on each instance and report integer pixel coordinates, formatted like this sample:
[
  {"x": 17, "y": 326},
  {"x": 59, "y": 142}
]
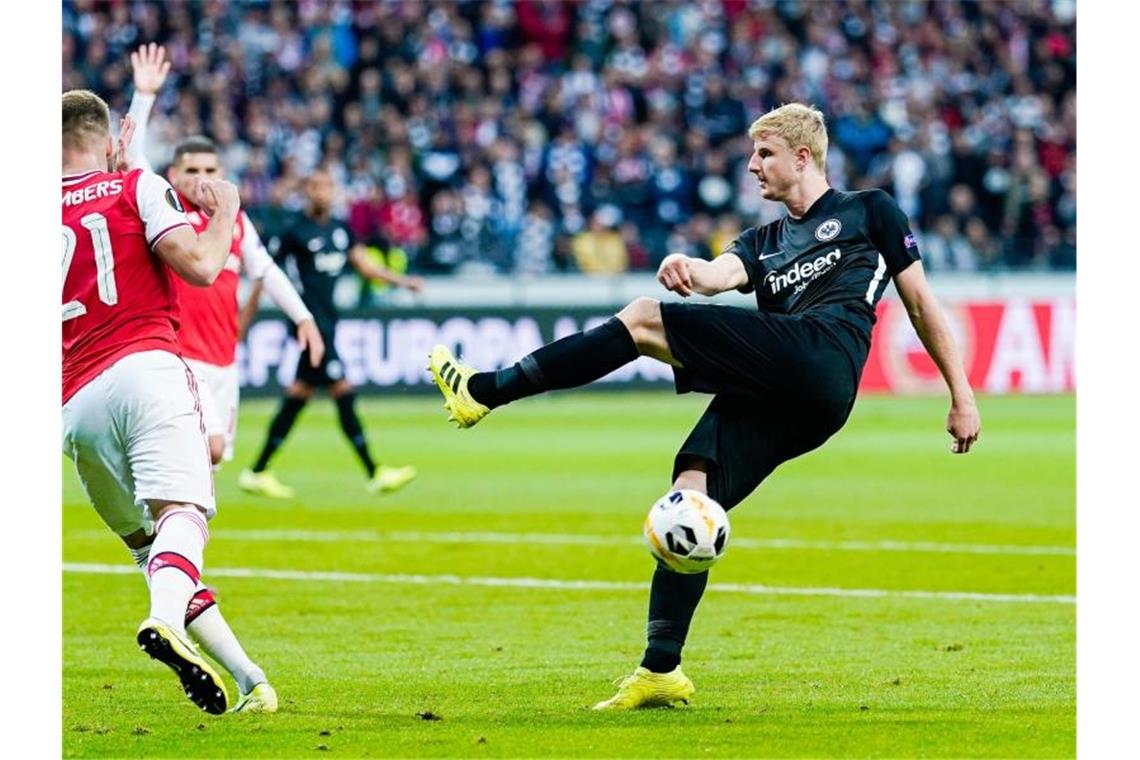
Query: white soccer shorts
[
  {"x": 135, "y": 433},
  {"x": 219, "y": 389}
]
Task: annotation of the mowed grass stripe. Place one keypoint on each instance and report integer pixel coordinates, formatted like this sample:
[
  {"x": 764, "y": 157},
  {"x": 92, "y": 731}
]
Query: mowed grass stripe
[
  {"x": 583, "y": 539},
  {"x": 579, "y": 585},
  {"x": 490, "y": 537}
]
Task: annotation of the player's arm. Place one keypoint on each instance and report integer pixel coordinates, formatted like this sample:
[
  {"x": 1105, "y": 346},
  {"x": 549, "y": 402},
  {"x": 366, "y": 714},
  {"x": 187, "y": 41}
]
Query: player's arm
[
  {"x": 686, "y": 275},
  {"x": 358, "y": 257},
  {"x": 890, "y": 234},
  {"x": 963, "y": 423},
  {"x": 248, "y": 309},
  {"x": 265, "y": 273},
  {"x": 150, "y": 69},
  {"x": 199, "y": 258}
]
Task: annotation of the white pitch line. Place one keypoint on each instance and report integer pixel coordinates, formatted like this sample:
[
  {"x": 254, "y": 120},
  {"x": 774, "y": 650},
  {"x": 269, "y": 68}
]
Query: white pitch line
[
  {"x": 579, "y": 539},
  {"x": 577, "y": 585}
]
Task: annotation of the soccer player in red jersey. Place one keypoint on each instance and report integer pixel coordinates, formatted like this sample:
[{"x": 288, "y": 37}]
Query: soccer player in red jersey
[
  {"x": 208, "y": 327},
  {"x": 132, "y": 420}
]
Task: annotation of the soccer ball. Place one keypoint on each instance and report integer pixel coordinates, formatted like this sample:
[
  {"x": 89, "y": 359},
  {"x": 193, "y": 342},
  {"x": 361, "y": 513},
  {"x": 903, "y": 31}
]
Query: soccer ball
[{"x": 687, "y": 530}]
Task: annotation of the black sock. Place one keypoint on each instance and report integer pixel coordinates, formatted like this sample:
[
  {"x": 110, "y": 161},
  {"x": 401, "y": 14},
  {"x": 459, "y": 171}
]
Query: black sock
[
  {"x": 673, "y": 598},
  {"x": 278, "y": 429},
  {"x": 354, "y": 431},
  {"x": 575, "y": 360}
]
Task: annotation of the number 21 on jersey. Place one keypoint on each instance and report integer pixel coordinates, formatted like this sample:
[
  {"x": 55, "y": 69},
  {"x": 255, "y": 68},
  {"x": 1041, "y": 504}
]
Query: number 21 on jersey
[{"x": 95, "y": 226}]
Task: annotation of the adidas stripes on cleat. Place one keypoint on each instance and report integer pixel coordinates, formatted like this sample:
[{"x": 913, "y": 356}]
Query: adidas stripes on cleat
[{"x": 451, "y": 377}]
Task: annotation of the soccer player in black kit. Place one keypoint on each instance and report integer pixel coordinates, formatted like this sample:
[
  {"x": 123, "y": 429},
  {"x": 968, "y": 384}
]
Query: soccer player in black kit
[
  {"x": 783, "y": 376},
  {"x": 320, "y": 247}
]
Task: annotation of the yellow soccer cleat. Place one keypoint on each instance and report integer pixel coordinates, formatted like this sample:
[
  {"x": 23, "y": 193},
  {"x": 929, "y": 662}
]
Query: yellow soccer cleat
[
  {"x": 648, "y": 689},
  {"x": 261, "y": 699},
  {"x": 201, "y": 684},
  {"x": 389, "y": 479},
  {"x": 264, "y": 484},
  {"x": 452, "y": 377}
]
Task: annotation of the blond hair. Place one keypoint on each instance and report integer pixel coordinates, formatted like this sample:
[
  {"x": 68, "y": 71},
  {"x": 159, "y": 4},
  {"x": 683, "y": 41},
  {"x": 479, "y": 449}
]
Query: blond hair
[
  {"x": 798, "y": 125},
  {"x": 86, "y": 118}
]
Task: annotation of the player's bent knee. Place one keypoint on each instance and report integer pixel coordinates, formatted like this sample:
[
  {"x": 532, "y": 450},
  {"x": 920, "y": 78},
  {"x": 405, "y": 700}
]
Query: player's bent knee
[
  {"x": 160, "y": 507},
  {"x": 340, "y": 388},
  {"x": 300, "y": 391},
  {"x": 642, "y": 317}
]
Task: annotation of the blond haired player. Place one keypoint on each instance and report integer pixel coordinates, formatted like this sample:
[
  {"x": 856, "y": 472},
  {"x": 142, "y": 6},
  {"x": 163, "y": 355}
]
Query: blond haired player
[
  {"x": 783, "y": 375},
  {"x": 132, "y": 419}
]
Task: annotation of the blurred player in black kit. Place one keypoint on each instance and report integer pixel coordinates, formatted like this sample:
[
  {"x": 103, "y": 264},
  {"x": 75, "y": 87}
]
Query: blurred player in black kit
[{"x": 321, "y": 247}]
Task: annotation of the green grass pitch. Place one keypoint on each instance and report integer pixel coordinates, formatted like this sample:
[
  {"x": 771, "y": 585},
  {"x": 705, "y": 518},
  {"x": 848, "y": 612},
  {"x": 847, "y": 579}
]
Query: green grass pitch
[{"x": 555, "y": 489}]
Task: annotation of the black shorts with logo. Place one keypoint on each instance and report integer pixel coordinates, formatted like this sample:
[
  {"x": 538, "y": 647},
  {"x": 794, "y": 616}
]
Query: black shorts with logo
[
  {"x": 329, "y": 371},
  {"x": 783, "y": 384}
]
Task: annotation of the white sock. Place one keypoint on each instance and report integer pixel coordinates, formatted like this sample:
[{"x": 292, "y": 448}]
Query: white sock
[
  {"x": 175, "y": 563},
  {"x": 206, "y": 624}
]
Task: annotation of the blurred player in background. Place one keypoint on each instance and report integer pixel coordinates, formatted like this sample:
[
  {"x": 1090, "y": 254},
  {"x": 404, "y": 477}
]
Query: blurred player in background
[
  {"x": 132, "y": 420},
  {"x": 320, "y": 248},
  {"x": 209, "y": 319},
  {"x": 784, "y": 375}
]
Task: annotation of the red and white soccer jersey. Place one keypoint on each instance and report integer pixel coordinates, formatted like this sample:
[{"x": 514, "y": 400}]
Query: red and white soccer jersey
[
  {"x": 118, "y": 297},
  {"x": 208, "y": 324},
  {"x": 132, "y": 419}
]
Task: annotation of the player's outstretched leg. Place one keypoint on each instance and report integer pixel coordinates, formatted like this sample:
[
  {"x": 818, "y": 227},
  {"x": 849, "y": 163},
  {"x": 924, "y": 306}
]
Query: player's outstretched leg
[
  {"x": 659, "y": 681},
  {"x": 174, "y": 567},
  {"x": 566, "y": 363}
]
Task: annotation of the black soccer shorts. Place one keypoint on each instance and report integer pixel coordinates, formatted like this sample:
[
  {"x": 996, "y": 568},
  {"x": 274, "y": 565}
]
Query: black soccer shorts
[
  {"x": 783, "y": 385},
  {"x": 329, "y": 371}
]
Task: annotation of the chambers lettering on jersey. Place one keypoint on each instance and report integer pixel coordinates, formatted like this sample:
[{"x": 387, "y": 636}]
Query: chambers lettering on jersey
[{"x": 94, "y": 191}]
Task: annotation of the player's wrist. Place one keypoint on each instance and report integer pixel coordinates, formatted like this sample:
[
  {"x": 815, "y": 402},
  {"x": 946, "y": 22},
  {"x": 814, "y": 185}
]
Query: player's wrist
[{"x": 963, "y": 398}]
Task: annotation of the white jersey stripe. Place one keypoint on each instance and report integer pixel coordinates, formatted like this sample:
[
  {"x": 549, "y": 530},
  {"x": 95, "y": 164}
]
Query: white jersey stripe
[{"x": 879, "y": 272}]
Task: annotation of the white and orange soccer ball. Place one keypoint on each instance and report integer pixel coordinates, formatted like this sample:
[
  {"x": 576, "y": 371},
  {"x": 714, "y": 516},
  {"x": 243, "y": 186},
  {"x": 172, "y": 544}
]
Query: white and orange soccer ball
[{"x": 687, "y": 531}]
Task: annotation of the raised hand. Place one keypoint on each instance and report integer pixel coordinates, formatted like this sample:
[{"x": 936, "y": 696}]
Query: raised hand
[
  {"x": 126, "y": 132},
  {"x": 150, "y": 67}
]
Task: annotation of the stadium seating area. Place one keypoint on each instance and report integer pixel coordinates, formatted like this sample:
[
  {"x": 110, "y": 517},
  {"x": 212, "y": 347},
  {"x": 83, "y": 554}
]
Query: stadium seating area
[{"x": 526, "y": 137}]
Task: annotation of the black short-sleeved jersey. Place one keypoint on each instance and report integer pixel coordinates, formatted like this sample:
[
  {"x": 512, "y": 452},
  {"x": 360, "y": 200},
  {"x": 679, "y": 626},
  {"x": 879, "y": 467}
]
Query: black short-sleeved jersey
[
  {"x": 841, "y": 252},
  {"x": 320, "y": 252}
]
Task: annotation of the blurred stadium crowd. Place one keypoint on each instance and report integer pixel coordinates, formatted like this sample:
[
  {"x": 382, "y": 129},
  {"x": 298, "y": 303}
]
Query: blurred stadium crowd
[{"x": 526, "y": 137}]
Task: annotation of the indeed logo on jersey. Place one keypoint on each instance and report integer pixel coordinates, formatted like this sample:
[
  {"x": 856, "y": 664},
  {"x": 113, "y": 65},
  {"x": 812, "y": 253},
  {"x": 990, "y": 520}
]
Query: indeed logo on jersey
[
  {"x": 802, "y": 272},
  {"x": 92, "y": 192}
]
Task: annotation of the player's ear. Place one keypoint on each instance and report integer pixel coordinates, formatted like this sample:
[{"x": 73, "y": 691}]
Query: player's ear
[{"x": 803, "y": 155}]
